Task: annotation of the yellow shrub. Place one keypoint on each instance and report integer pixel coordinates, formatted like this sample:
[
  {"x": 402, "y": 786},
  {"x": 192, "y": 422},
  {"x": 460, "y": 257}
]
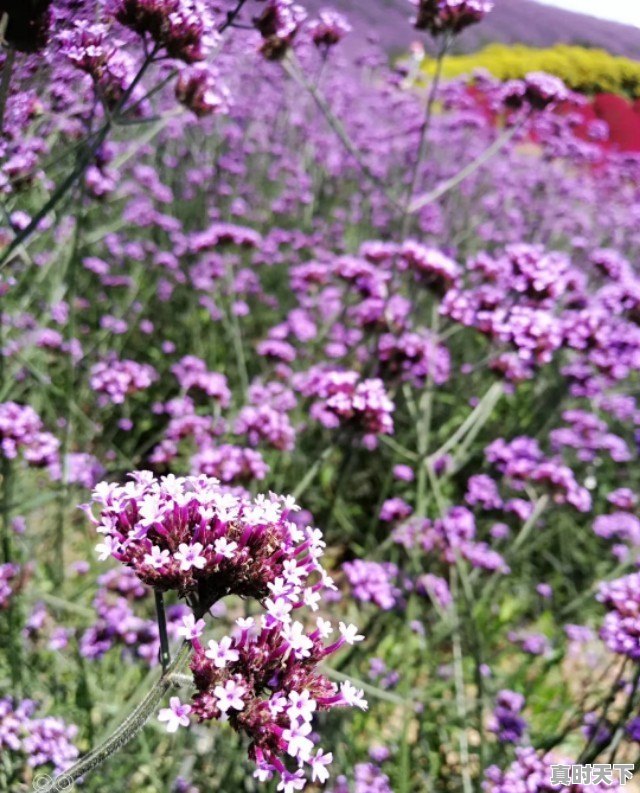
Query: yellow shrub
[{"x": 586, "y": 70}]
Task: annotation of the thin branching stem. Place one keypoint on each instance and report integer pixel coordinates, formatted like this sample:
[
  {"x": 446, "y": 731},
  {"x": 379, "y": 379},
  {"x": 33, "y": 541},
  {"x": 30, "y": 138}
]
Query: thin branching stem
[
  {"x": 449, "y": 184},
  {"x": 127, "y": 730}
]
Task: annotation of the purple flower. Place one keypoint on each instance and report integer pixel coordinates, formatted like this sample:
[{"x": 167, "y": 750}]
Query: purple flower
[
  {"x": 114, "y": 380},
  {"x": 506, "y": 721},
  {"x": 35, "y": 742},
  {"x": 191, "y": 629},
  {"x": 176, "y": 715},
  {"x": 620, "y": 630},
  {"x": 373, "y": 582}
]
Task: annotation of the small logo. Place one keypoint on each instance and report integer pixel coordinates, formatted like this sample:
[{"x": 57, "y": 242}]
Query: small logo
[
  {"x": 596, "y": 774},
  {"x": 47, "y": 782}
]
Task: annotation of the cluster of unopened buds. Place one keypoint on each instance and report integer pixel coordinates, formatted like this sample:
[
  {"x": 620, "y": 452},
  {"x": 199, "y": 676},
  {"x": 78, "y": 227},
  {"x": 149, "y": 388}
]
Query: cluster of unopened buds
[
  {"x": 278, "y": 24},
  {"x": 185, "y": 29},
  {"x": 329, "y": 29},
  {"x": 192, "y": 536},
  {"x": 449, "y": 16},
  {"x": 538, "y": 90}
]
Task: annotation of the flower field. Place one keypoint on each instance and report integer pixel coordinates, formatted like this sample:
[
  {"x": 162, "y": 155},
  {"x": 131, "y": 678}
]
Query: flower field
[{"x": 319, "y": 426}]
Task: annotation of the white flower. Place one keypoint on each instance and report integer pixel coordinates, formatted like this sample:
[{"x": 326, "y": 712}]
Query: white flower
[
  {"x": 190, "y": 628},
  {"x": 300, "y": 643},
  {"x": 176, "y": 715},
  {"x": 350, "y": 633},
  {"x": 311, "y": 599},
  {"x": 230, "y": 696},
  {"x": 301, "y": 706},
  {"x": 221, "y": 652},
  {"x": 289, "y": 782},
  {"x": 353, "y": 696},
  {"x": 157, "y": 558},
  {"x": 106, "y": 548},
  {"x": 190, "y": 556},
  {"x": 318, "y": 764},
  {"x": 325, "y": 627},
  {"x": 279, "y": 610},
  {"x": 298, "y": 745},
  {"x": 225, "y": 548}
]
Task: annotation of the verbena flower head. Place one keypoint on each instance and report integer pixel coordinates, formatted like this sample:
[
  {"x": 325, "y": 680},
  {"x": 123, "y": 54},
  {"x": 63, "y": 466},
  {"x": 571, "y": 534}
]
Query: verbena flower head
[
  {"x": 200, "y": 89},
  {"x": 115, "y": 379},
  {"x": 506, "y": 721},
  {"x": 185, "y": 29},
  {"x": 21, "y": 431},
  {"x": 449, "y": 16},
  {"x": 329, "y": 29},
  {"x": 621, "y": 627},
  {"x": 538, "y": 90},
  {"x": 373, "y": 582},
  {"x": 279, "y": 24},
  {"x": 190, "y": 535},
  {"x": 532, "y": 772},
  {"x": 263, "y": 679},
  {"x": 27, "y": 741},
  {"x": 344, "y": 399}
]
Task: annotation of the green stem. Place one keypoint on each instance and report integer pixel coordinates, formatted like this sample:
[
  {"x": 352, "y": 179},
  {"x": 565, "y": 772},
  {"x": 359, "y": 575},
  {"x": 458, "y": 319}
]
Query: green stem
[
  {"x": 468, "y": 170},
  {"x": 291, "y": 67},
  {"x": 127, "y": 731},
  {"x": 424, "y": 134},
  {"x": 461, "y": 700},
  {"x": 84, "y": 160}
]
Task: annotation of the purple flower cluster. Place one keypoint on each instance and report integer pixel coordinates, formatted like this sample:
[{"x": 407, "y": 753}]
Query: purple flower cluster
[
  {"x": 278, "y": 24},
  {"x": 265, "y": 423},
  {"x": 620, "y": 629},
  {"x": 588, "y": 434},
  {"x": 190, "y": 535},
  {"x": 192, "y": 374},
  {"x": 33, "y": 742},
  {"x": 328, "y": 29},
  {"x": 430, "y": 266},
  {"x": 344, "y": 399},
  {"x": 263, "y": 679},
  {"x": 117, "y": 624},
  {"x": 21, "y": 431},
  {"x": 538, "y": 90},
  {"x": 414, "y": 356},
  {"x": 229, "y": 463},
  {"x": 532, "y": 772},
  {"x": 521, "y": 460},
  {"x": 10, "y": 579},
  {"x": 373, "y": 582},
  {"x": 367, "y": 778},
  {"x": 184, "y": 29},
  {"x": 506, "y": 722},
  {"x": 436, "y": 588},
  {"x": 114, "y": 380},
  {"x": 450, "y": 537},
  {"x": 81, "y": 469},
  {"x": 199, "y": 88}
]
